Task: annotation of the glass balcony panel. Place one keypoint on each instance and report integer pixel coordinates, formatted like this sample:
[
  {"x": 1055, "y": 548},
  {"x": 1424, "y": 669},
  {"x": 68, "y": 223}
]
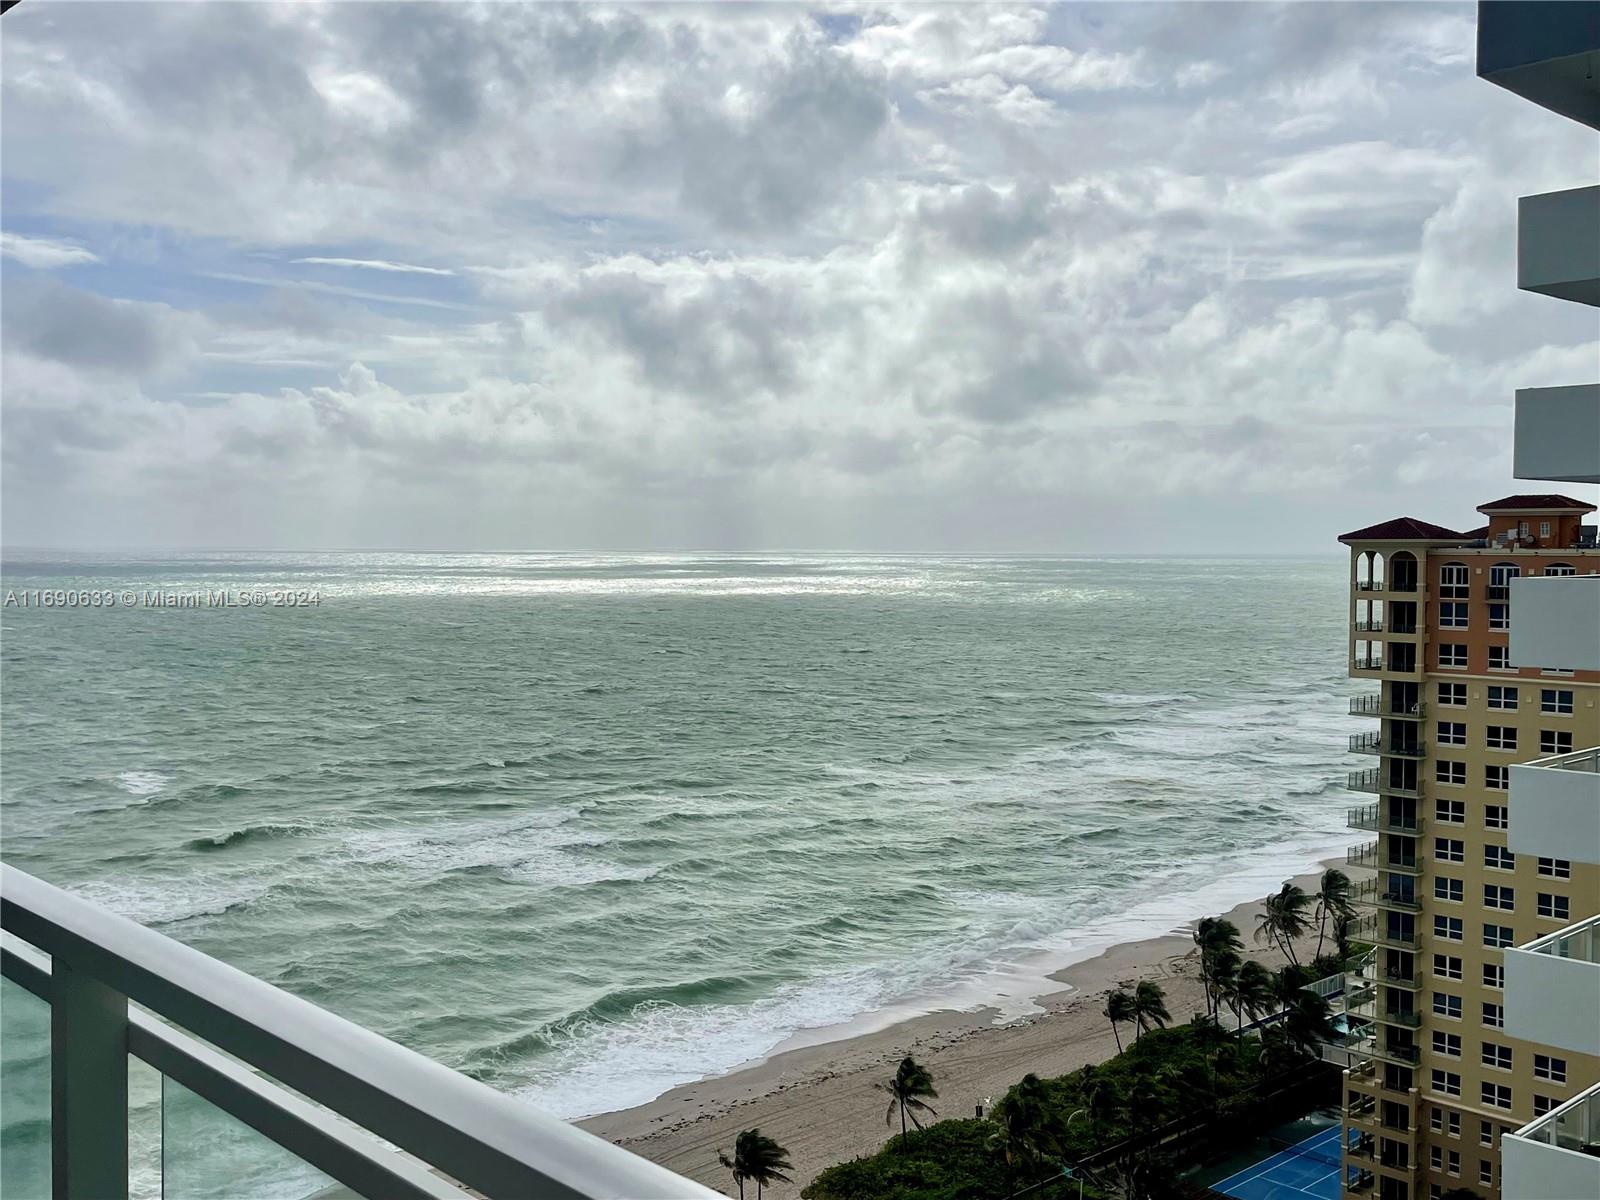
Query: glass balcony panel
[
  {"x": 24, "y": 1094},
  {"x": 208, "y": 1155}
]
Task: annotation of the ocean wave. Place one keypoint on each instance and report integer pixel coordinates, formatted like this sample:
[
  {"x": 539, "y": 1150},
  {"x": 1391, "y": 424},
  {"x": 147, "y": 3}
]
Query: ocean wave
[
  {"x": 143, "y": 783},
  {"x": 249, "y": 833}
]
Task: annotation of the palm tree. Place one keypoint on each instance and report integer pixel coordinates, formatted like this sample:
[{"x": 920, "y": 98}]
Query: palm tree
[
  {"x": 1149, "y": 1004},
  {"x": 1307, "y": 1023},
  {"x": 1333, "y": 900},
  {"x": 911, "y": 1082},
  {"x": 1214, "y": 936},
  {"x": 1026, "y": 1130},
  {"x": 1119, "y": 1008},
  {"x": 1283, "y": 918},
  {"x": 1254, "y": 991},
  {"x": 1224, "y": 978},
  {"x": 757, "y": 1157}
]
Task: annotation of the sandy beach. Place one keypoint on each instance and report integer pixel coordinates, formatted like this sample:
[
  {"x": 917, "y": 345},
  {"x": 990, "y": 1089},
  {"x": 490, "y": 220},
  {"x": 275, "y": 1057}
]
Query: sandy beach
[{"x": 821, "y": 1102}]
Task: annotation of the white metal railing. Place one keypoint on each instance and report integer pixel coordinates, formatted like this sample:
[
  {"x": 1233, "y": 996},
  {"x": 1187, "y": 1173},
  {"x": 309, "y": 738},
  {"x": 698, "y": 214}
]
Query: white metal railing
[
  {"x": 410, "y": 1125},
  {"x": 1578, "y": 760},
  {"x": 1580, "y": 942},
  {"x": 1555, "y": 1156},
  {"x": 1575, "y": 1125}
]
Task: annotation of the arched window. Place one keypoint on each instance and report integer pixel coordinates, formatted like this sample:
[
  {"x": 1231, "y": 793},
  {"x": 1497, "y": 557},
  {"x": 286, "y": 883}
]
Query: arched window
[{"x": 1561, "y": 569}]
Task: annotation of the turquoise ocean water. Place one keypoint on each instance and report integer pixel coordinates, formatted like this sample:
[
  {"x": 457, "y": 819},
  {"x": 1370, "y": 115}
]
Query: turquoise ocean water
[{"x": 589, "y": 826}]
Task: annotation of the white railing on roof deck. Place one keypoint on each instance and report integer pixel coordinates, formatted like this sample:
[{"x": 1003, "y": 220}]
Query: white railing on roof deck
[{"x": 412, "y": 1128}]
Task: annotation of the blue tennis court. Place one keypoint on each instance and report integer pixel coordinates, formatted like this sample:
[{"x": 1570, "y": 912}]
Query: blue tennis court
[{"x": 1307, "y": 1169}]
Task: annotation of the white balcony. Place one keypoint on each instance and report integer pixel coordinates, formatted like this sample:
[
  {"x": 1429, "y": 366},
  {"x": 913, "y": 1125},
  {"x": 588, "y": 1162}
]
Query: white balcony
[
  {"x": 1558, "y": 244},
  {"x": 1558, "y": 433},
  {"x": 1555, "y": 807},
  {"x": 1556, "y": 1157},
  {"x": 368, "y": 1114},
  {"x": 1553, "y": 989},
  {"x": 1555, "y": 622}
]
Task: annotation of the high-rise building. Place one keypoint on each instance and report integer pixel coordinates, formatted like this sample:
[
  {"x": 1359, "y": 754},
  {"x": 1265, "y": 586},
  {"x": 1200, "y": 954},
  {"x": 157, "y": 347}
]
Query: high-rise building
[{"x": 1481, "y": 1064}]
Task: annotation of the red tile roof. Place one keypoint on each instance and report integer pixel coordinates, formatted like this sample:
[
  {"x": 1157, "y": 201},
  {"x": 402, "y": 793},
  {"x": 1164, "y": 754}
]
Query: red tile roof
[
  {"x": 1404, "y": 529},
  {"x": 1514, "y": 503}
]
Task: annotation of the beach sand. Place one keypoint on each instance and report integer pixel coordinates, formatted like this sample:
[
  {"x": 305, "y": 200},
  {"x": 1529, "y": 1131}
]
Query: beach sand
[{"x": 821, "y": 1102}]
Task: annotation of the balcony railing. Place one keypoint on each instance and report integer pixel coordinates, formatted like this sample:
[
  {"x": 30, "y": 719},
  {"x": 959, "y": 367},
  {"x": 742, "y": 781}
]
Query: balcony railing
[
  {"x": 1373, "y": 706},
  {"x": 1400, "y": 901},
  {"x": 1398, "y": 938},
  {"x": 1401, "y": 864},
  {"x": 1410, "y": 980},
  {"x": 1376, "y": 780},
  {"x": 1368, "y": 662},
  {"x": 412, "y": 1128},
  {"x": 1364, "y": 855},
  {"x": 1556, "y": 1155},
  {"x": 1402, "y": 824},
  {"x": 1498, "y": 591},
  {"x": 1369, "y": 626},
  {"x": 1406, "y": 1056},
  {"x": 1363, "y": 816}
]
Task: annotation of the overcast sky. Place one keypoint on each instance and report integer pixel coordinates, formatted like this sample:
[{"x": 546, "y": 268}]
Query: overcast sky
[{"x": 1094, "y": 277}]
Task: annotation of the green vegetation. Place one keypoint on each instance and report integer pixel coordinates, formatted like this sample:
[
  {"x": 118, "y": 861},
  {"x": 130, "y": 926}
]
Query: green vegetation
[
  {"x": 1044, "y": 1125},
  {"x": 1120, "y": 1127},
  {"x": 756, "y": 1157}
]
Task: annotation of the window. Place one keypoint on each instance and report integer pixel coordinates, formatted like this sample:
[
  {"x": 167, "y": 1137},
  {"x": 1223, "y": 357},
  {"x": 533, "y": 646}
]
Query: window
[
  {"x": 1445, "y": 888},
  {"x": 1498, "y": 858},
  {"x": 1556, "y": 700},
  {"x": 1494, "y": 816},
  {"x": 1452, "y": 733},
  {"x": 1501, "y": 737},
  {"x": 1497, "y": 778},
  {"x": 1453, "y": 654},
  {"x": 1485, "y": 1172},
  {"x": 1502, "y": 697},
  {"x": 1447, "y": 966},
  {"x": 1555, "y": 741},
  {"x": 1451, "y": 812},
  {"x": 1494, "y": 1016},
  {"x": 1452, "y": 615},
  {"x": 1446, "y": 1082},
  {"x": 1544, "y": 529},
  {"x": 1446, "y": 771},
  {"x": 1447, "y": 1044},
  {"x": 1499, "y": 616},
  {"x": 1497, "y": 937},
  {"x": 1453, "y": 582},
  {"x": 1498, "y": 1057},
  {"x": 1561, "y": 569},
  {"x": 1453, "y": 695},
  {"x": 1500, "y": 659},
  {"x": 1449, "y": 849},
  {"x": 1556, "y": 868},
  {"x": 1435, "y": 1118},
  {"x": 1496, "y": 1095},
  {"x": 1448, "y": 928},
  {"x": 1486, "y": 1133},
  {"x": 1494, "y": 976},
  {"x": 1446, "y": 1005},
  {"x": 1543, "y": 1104},
  {"x": 1553, "y": 1069},
  {"x": 1555, "y": 907},
  {"x": 1453, "y": 1124},
  {"x": 1495, "y": 896},
  {"x": 1436, "y": 1157},
  {"x": 1452, "y": 1162}
]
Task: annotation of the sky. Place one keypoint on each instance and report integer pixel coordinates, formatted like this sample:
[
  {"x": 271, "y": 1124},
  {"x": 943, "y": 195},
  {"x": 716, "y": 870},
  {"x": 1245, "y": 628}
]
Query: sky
[{"x": 1088, "y": 278}]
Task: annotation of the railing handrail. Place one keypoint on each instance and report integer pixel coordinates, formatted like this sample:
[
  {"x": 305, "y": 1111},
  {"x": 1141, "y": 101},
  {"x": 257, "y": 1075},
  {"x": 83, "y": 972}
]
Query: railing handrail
[
  {"x": 1548, "y": 943},
  {"x": 1573, "y": 760},
  {"x": 483, "y": 1138}
]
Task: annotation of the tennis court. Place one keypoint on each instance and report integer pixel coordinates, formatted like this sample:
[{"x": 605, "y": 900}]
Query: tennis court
[{"x": 1306, "y": 1169}]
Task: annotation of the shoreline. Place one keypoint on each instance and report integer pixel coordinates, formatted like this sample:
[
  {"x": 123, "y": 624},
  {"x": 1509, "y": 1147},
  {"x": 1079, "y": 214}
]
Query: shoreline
[{"x": 819, "y": 1100}]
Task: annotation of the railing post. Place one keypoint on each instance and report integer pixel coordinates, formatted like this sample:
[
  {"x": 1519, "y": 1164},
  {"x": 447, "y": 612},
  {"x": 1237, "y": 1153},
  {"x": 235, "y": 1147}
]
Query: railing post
[{"x": 88, "y": 1088}]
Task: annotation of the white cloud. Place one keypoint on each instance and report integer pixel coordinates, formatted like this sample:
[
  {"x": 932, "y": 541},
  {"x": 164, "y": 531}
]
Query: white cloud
[
  {"x": 44, "y": 254},
  {"x": 375, "y": 264}
]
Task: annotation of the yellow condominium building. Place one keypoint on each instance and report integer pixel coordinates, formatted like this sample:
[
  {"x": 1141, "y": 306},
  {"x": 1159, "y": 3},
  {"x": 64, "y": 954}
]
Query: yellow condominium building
[{"x": 1480, "y": 1065}]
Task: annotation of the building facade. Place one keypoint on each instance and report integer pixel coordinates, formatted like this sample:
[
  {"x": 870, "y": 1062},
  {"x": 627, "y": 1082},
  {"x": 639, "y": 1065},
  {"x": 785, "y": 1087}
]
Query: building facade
[{"x": 1481, "y": 1066}]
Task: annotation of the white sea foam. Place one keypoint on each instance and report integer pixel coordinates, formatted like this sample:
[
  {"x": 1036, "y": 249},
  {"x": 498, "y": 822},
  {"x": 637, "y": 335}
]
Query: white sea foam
[
  {"x": 165, "y": 901},
  {"x": 143, "y": 783}
]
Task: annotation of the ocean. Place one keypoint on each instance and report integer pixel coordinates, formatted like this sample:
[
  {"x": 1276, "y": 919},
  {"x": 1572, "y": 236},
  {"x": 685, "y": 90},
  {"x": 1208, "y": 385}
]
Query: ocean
[{"x": 587, "y": 826}]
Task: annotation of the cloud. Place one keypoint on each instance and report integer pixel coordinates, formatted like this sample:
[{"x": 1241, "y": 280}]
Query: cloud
[
  {"x": 916, "y": 275},
  {"x": 44, "y": 254},
  {"x": 372, "y": 264}
]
